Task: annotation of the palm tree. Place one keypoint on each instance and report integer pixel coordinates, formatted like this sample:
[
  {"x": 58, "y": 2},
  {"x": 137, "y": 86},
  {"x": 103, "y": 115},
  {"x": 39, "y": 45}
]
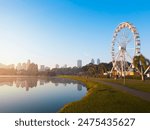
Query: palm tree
[{"x": 140, "y": 63}]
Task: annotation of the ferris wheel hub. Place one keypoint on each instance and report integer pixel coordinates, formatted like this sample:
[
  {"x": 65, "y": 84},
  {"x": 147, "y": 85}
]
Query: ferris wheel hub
[{"x": 121, "y": 48}]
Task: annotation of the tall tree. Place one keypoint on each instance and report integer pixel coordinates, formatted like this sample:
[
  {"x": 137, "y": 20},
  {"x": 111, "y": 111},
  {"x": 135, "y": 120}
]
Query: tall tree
[{"x": 140, "y": 63}]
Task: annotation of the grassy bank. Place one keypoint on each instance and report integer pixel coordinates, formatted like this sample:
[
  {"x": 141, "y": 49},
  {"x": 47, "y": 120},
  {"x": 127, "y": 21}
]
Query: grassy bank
[
  {"x": 132, "y": 83},
  {"x": 103, "y": 98}
]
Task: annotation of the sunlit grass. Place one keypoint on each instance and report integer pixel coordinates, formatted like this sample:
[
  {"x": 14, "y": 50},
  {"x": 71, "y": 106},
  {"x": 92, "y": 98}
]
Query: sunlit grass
[
  {"x": 103, "y": 98},
  {"x": 132, "y": 83}
]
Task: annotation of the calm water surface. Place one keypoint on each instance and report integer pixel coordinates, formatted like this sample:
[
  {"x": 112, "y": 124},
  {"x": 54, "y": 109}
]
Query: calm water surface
[{"x": 38, "y": 94}]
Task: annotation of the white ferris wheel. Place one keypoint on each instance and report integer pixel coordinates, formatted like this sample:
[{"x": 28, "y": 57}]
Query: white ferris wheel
[{"x": 125, "y": 45}]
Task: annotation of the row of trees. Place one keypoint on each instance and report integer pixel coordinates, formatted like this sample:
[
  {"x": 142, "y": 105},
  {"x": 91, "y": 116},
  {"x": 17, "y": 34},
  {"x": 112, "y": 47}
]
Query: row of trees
[
  {"x": 4, "y": 71},
  {"x": 96, "y": 70},
  {"x": 31, "y": 70},
  {"x": 92, "y": 70}
]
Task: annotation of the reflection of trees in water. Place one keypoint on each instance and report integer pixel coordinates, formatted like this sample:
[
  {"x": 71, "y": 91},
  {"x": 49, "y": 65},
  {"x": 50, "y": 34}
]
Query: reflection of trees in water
[
  {"x": 56, "y": 84},
  {"x": 42, "y": 82},
  {"x": 26, "y": 83},
  {"x": 6, "y": 81},
  {"x": 64, "y": 81},
  {"x": 23, "y": 82},
  {"x": 79, "y": 87},
  {"x": 30, "y": 82}
]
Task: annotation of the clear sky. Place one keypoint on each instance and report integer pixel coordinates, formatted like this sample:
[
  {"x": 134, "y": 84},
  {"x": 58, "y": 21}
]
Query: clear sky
[{"x": 62, "y": 31}]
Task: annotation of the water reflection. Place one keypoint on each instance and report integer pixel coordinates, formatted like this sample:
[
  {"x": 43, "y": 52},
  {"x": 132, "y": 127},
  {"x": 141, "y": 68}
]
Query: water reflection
[
  {"x": 79, "y": 87},
  {"x": 38, "y": 94},
  {"x": 31, "y": 82}
]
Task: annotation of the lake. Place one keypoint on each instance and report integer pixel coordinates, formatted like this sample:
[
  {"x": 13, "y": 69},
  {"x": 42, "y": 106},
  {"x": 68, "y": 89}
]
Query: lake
[{"x": 38, "y": 95}]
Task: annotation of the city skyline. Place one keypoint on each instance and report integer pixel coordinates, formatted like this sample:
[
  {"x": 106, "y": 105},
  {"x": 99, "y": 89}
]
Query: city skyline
[
  {"x": 25, "y": 64},
  {"x": 62, "y": 31}
]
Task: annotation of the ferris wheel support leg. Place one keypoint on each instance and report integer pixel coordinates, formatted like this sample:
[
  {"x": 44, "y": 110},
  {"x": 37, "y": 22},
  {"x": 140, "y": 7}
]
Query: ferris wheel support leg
[
  {"x": 114, "y": 64},
  {"x": 147, "y": 69}
]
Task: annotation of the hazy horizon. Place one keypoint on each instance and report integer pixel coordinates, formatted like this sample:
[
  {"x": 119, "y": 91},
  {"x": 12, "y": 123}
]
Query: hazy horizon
[{"x": 62, "y": 31}]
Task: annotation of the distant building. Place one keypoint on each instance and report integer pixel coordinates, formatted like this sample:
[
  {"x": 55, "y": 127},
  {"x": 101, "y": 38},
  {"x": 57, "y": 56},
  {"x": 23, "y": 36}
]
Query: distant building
[
  {"x": 79, "y": 63},
  {"x": 27, "y": 65},
  {"x": 65, "y": 66},
  {"x": 28, "y": 62},
  {"x": 42, "y": 68},
  {"x": 47, "y": 68},
  {"x": 11, "y": 66},
  {"x": 92, "y": 61},
  {"x": 18, "y": 67},
  {"x": 98, "y": 61},
  {"x": 57, "y": 66},
  {"x": 24, "y": 66}
]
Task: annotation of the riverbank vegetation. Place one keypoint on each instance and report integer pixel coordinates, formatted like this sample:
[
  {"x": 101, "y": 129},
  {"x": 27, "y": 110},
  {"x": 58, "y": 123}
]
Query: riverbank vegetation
[{"x": 104, "y": 98}]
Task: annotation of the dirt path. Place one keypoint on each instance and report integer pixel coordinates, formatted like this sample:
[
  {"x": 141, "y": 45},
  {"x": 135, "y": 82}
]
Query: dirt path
[{"x": 143, "y": 95}]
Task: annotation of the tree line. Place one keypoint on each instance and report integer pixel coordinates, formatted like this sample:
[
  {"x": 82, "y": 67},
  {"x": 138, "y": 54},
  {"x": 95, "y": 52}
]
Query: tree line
[{"x": 101, "y": 70}]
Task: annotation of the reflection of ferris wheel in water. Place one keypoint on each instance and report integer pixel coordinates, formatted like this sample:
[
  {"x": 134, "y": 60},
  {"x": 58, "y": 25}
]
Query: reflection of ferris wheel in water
[{"x": 125, "y": 45}]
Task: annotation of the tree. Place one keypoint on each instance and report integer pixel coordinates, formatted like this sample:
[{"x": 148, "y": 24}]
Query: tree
[
  {"x": 140, "y": 63},
  {"x": 102, "y": 68},
  {"x": 32, "y": 69}
]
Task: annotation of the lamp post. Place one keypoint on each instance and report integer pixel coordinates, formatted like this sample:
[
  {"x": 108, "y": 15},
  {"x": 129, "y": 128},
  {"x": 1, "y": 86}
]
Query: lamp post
[{"x": 124, "y": 71}]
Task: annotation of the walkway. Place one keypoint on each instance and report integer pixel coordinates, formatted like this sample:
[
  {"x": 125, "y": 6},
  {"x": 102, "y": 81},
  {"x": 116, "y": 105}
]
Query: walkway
[{"x": 143, "y": 95}]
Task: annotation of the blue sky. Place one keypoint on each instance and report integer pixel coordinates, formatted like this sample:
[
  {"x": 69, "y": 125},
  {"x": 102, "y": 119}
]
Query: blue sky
[{"x": 62, "y": 31}]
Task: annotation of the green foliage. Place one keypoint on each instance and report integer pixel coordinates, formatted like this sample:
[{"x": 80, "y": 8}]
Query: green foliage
[
  {"x": 93, "y": 70},
  {"x": 141, "y": 64},
  {"x": 32, "y": 69},
  {"x": 139, "y": 61}
]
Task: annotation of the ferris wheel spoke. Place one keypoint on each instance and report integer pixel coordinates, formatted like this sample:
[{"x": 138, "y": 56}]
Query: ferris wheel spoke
[
  {"x": 116, "y": 58},
  {"x": 128, "y": 41},
  {"x": 130, "y": 48},
  {"x": 116, "y": 54},
  {"x": 118, "y": 41},
  {"x": 126, "y": 33},
  {"x": 129, "y": 56}
]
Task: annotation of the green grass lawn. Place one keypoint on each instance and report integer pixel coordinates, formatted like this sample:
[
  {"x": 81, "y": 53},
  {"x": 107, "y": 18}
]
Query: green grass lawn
[
  {"x": 132, "y": 83},
  {"x": 103, "y": 98}
]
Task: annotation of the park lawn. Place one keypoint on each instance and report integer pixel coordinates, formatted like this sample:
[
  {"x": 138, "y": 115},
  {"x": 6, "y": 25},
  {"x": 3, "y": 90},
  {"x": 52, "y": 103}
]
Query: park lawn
[
  {"x": 103, "y": 98},
  {"x": 132, "y": 83}
]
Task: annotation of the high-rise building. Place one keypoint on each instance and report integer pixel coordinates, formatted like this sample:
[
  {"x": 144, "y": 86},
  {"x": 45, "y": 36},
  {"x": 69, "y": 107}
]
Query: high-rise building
[
  {"x": 57, "y": 66},
  {"x": 65, "y": 66},
  {"x": 18, "y": 67},
  {"x": 24, "y": 66},
  {"x": 92, "y": 61},
  {"x": 98, "y": 61},
  {"x": 47, "y": 68},
  {"x": 27, "y": 65},
  {"x": 42, "y": 68},
  {"x": 12, "y": 66},
  {"x": 79, "y": 63}
]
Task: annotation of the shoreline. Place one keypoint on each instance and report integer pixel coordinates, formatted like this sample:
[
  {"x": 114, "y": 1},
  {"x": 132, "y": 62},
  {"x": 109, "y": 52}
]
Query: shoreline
[
  {"x": 104, "y": 98},
  {"x": 20, "y": 76}
]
